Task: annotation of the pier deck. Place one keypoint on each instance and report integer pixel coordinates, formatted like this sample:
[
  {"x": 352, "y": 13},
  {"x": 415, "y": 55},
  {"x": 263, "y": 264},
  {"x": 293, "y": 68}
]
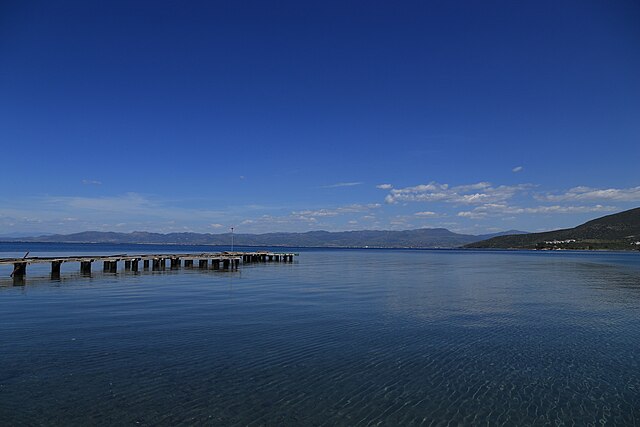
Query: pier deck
[{"x": 226, "y": 260}]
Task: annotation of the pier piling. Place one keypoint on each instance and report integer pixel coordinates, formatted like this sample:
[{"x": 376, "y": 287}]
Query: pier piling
[
  {"x": 55, "y": 269},
  {"x": 19, "y": 269},
  {"x": 85, "y": 267}
]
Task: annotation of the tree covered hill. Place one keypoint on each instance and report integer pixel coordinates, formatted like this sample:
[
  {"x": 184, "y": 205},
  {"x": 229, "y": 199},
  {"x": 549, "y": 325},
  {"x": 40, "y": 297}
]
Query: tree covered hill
[{"x": 617, "y": 231}]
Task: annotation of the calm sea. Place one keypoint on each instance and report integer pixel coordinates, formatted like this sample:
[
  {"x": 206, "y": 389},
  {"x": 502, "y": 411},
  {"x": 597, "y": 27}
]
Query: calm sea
[{"x": 339, "y": 337}]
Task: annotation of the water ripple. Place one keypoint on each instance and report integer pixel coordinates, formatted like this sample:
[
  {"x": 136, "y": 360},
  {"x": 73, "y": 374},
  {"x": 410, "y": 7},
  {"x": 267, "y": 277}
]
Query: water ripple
[{"x": 359, "y": 338}]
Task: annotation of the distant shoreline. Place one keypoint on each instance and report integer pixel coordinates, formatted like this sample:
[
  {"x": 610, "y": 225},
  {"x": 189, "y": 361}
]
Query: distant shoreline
[{"x": 442, "y": 248}]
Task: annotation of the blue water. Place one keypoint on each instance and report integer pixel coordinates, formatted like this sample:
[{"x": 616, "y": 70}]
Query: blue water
[{"x": 339, "y": 337}]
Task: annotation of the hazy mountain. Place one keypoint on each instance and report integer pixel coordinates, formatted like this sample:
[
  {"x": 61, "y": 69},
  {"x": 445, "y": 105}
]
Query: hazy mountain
[
  {"x": 617, "y": 231},
  {"x": 420, "y": 238},
  {"x": 23, "y": 235}
]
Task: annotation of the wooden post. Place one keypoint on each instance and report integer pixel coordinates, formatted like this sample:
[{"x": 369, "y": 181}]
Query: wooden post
[
  {"x": 19, "y": 269},
  {"x": 134, "y": 264},
  {"x": 215, "y": 263},
  {"x": 105, "y": 266},
  {"x": 225, "y": 263},
  {"x": 127, "y": 264},
  {"x": 203, "y": 263},
  {"x": 55, "y": 269},
  {"x": 85, "y": 267},
  {"x": 188, "y": 263},
  {"x": 156, "y": 264},
  {"x": 113, "y": 266},
  {"x": 145, "y": 264},
  {"x": 175, "y": 263}
]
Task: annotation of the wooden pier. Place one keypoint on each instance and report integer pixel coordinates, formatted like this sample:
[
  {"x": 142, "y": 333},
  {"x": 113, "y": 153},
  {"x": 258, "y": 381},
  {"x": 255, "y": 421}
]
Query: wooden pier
[{"x": 155, "y": 262}]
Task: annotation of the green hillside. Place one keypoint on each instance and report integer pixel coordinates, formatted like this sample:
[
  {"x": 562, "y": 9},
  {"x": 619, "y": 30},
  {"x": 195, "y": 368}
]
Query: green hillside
[{"x": 619, "y": 231}]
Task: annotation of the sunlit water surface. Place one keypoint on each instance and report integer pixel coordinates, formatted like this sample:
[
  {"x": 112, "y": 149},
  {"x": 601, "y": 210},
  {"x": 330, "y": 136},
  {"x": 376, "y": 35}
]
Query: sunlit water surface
[{"x": 339, "y": 337}]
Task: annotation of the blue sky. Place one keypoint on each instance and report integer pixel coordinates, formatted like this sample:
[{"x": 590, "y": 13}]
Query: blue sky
[{"x": 294, "y": 116}]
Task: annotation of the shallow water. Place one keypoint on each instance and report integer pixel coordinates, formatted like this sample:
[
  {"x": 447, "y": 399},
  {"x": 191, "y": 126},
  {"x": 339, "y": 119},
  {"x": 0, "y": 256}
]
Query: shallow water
[{"x": 340, "y": 337}]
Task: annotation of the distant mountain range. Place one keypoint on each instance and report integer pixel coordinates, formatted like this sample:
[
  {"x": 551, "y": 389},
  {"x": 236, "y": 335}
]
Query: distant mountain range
[
  {"x": 420, "y": 238},
  {"x": 617, "y": 231}
]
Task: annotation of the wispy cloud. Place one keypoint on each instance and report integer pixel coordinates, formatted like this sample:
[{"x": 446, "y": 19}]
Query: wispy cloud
[
  {"x": 64, "y": 214},
  {"x": 342, "y": 184},
  {"x": 336, "y": 211},
  {"x": 91, "y": 182},
  {"x": 503, "y": 210},
  {"x": 517, "y": 169},
  {"x": 631, "y": 194},
  {"x": 331, "y": 218},
  {"x": 426, "y": 214},
  {"x": 464, "y": 203},
  {"x": 478, "y": 193},
  {"x": 384, "y": 186},
  {"x": 127, "y": 203}
]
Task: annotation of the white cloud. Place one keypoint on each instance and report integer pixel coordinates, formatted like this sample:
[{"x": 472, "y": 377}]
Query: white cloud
[
  {"x": 478, "y": 193},
  {"x": 216, "y": 225},
  {"x": 517, "y": 169},
  {"x": 425, "y": 213},
  {"x": 631, "y": 194},
  {"x": 472, "y": 214},
  {"x": 384, "y": 186},
  {"x": 501, "y": 209},
  {"x": 336, "y": 211}
]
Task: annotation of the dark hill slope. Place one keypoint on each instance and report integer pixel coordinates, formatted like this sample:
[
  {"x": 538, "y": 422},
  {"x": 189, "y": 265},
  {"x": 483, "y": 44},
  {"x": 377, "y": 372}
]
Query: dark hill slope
[{"x": 617, "y": 231}]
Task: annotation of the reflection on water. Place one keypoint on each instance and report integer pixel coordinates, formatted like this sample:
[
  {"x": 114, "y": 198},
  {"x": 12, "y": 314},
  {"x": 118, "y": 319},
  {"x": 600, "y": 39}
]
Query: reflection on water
[{"x": 338, "y": 338}]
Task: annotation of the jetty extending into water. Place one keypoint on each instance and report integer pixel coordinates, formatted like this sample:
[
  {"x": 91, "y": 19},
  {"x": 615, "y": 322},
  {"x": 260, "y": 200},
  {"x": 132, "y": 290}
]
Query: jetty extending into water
[{"x": 157, "y": 262}]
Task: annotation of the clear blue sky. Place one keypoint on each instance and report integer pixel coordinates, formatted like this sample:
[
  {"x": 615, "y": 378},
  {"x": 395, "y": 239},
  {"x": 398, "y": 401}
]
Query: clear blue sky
[{"x": 294, "y": 116}]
